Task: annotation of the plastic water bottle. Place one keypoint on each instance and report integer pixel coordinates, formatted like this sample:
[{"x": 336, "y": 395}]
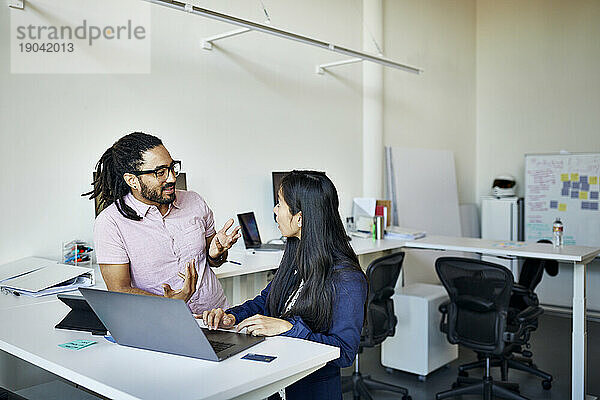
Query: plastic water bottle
[{"x": 557, "y": 233}]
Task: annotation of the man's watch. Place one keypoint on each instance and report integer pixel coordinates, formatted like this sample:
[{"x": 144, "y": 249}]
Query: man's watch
[{"x": 217, "y": 261}]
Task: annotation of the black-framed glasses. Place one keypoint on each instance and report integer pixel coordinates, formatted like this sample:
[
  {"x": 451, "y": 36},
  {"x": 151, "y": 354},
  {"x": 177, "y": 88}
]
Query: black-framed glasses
[{"x": 162, "y": 172}]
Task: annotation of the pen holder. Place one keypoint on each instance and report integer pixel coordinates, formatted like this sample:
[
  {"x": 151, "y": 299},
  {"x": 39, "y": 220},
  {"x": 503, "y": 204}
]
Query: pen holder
[{"x": 77, "y": 252}]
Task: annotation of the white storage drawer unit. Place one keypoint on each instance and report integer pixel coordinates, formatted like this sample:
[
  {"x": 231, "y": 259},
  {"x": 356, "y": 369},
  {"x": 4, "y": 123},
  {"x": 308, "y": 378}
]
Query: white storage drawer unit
[{"x": 418, "y": 346}]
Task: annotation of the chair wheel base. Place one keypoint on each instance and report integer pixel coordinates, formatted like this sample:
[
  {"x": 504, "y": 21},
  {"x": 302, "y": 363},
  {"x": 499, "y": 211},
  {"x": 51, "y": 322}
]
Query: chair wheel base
[{"x": 547, "y": 385}]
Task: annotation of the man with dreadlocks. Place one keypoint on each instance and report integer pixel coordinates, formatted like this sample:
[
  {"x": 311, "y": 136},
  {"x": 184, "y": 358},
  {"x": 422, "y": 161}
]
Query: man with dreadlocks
[{"x": 151, "y": 239}]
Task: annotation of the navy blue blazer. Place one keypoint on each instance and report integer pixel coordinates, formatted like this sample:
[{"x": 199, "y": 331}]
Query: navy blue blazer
[{"x": 347, "y": 321}]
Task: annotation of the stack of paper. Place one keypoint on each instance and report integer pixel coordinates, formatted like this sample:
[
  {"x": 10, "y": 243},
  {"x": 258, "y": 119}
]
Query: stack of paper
[
  {"x": 396, "y": 232},
  {"x": 36, "y": 277},
  {"x": 363, "y": 211}
]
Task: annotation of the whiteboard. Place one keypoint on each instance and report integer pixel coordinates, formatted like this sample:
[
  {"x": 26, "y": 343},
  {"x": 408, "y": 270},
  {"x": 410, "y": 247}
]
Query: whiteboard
[
  {"x": 564, "y": 186},
  {"x": 425, "y": 190}
]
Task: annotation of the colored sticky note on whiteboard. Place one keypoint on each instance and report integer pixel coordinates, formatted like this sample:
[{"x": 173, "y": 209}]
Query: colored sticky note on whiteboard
[
  {"x": 562, "y": 207},
  {"x": 564, "y": 177},
  {"x": 593, "y": 180},
  {"x": 583, "y": 195},
  {"x": 574, "y": 177}
]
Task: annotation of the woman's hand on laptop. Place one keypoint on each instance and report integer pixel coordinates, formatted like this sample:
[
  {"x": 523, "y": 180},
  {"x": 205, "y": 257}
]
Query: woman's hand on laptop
[
  {"x": 260, "y": 325},
  {"x": 217, "y": 318},
  {"x": 190, "y": 279}
]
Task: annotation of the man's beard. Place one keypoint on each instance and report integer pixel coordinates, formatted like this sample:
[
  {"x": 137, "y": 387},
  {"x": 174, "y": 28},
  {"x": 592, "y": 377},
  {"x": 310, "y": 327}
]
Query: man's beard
[{"x": 156, "y": 195}]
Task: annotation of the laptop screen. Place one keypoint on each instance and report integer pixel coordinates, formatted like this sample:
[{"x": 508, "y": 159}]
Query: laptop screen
[{"x": 249, "y": 230}]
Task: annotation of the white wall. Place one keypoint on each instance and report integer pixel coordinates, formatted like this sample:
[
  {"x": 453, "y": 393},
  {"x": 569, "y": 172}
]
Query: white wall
[
  {"x": 252, "y": 105},
  {"x": 538, "y": 91},
  {"x": 435, "y": 110},
  {"x": 538, "y": 86},
  {"x": 501, "y": 79}
]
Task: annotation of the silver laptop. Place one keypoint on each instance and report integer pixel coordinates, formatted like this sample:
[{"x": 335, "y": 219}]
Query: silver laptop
[
  {"x": 162, "y": 324},
  {"x": 252, "y": 237}
]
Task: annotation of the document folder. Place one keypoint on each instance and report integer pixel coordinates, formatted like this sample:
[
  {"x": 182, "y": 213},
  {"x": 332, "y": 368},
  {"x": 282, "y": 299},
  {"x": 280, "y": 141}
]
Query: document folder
[{"x": 36, "y": 276}]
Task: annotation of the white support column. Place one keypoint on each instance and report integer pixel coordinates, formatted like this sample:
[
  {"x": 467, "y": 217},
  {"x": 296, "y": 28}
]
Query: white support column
[
  {"x": 372, "y": 102},
  {"x": 579, "y": 338}
]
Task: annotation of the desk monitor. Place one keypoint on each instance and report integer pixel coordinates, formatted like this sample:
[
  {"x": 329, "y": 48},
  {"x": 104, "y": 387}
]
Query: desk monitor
[{"x": 277, "y": 177}]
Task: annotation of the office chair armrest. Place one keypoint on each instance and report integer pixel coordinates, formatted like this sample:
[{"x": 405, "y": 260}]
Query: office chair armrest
[
  {"x": 444, "y": 320},
  {"x": 525, "y": 321},
  {"x": 444, "y": 307},
  {"x": 529, "y": 314},
  {"x": 520, "y": 289},
  {"x": 528, "y": 296}
]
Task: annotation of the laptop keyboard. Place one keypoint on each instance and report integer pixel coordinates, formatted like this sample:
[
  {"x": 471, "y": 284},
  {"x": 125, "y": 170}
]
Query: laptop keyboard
[{"x": 219, "y": 346}]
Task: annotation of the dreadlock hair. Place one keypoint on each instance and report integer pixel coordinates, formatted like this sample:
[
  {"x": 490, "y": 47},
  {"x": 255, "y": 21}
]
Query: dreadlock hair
[
  {"x": 312, "y": 258},
  {"x": 125, "y": 155}
]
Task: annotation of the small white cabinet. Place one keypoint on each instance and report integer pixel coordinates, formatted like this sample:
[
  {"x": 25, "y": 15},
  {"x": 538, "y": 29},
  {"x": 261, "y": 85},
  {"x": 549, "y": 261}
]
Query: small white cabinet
[{"x": 418, "y": 345}]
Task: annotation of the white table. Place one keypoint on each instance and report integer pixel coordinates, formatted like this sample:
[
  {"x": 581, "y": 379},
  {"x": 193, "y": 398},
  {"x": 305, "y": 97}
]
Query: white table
[
  {"x": 245, "y": 281},
  {"x": 120, "y": 372},
  {"x": 580, "y": 256}
]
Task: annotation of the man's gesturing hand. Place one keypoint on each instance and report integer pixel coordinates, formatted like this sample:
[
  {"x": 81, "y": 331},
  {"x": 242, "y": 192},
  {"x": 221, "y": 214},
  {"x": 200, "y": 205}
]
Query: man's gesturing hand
[
  {"x": 189, "y": 284},
  {"x": 222, "y": 241}
]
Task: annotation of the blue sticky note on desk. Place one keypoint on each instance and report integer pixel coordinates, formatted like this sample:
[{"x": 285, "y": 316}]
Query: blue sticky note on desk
[{"x": 77, "y": 344}]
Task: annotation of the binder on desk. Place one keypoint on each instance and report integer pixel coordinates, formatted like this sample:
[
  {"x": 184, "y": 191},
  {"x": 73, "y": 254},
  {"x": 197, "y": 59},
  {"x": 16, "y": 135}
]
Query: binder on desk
[
  {"x": 37, "y": 277},
  {"x": 396, "y": 232}
]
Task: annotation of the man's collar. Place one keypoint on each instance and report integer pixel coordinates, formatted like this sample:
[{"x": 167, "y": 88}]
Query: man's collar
[
  {"x": 142, "y": 208},
  {"x": 176, "y": 202}
]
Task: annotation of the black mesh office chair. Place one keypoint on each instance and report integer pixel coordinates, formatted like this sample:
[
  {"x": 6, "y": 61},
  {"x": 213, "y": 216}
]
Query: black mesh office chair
[
  {"x": 380, "y": 323},
  {"x": 477, "y": 317},
  {"x": 523, "y": 296}
]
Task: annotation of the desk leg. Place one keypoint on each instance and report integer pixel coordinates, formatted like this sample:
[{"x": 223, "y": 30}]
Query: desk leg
[{"x": 579, "y": 334}]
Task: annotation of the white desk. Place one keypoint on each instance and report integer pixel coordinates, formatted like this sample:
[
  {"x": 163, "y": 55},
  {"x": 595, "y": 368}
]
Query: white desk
[
  {"x": 120, "y": 372},
  {"x": 580, "y": 256},
  {"x": 261, "y": 261},
  {"x": 363, "y": 246},
  {"x": 245, "y": 281}
]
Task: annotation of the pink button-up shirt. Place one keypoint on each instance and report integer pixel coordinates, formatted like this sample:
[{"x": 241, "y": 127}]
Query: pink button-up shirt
[{"x": 157, "y": 247}]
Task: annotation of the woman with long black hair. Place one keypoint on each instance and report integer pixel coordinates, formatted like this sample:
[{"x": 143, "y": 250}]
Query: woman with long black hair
[{"x": 319, "y": 290}]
